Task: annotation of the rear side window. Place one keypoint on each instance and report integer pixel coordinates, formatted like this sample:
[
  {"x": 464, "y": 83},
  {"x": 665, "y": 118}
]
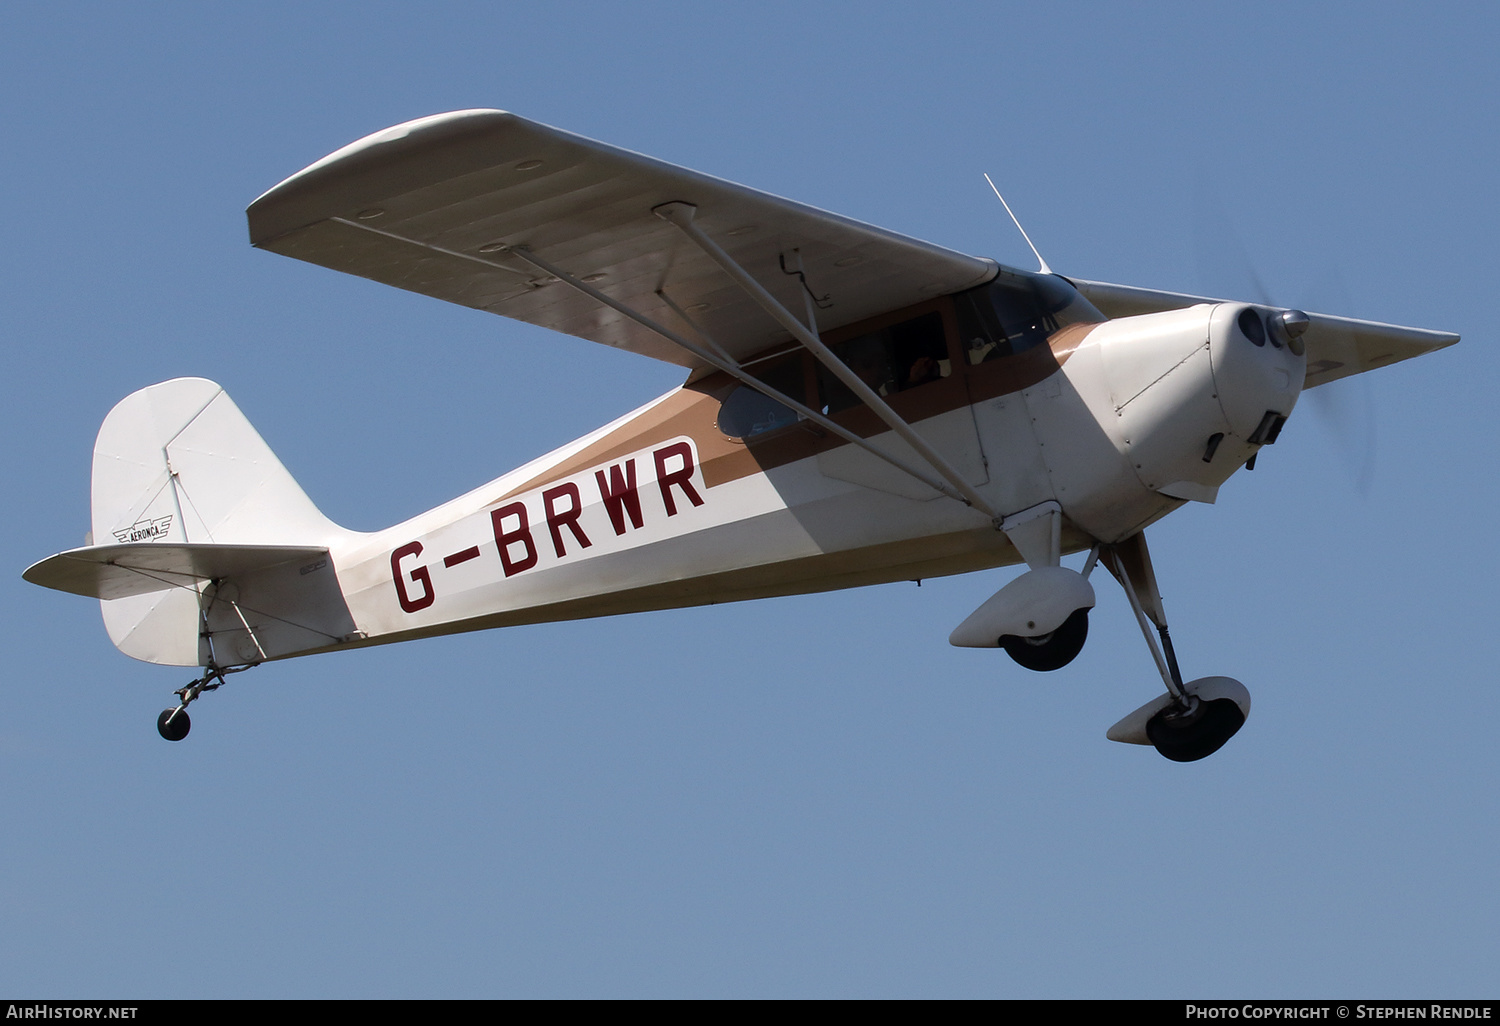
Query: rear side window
[{"x": 746, "y": 413}]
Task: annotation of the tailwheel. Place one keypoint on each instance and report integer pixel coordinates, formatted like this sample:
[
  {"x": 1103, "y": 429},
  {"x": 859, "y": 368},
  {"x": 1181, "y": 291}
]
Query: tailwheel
[
  {"x": 1195, "y": 729},
  {"x": 173, "y": 724},
  {"x": 1051, "y": 651}
]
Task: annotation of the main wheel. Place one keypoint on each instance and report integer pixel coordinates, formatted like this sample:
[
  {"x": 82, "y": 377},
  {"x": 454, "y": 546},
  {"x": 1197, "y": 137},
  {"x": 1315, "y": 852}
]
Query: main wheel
[
  {"x": 177, "y": 729},
  {"x": 1188, "y": 737},
  {"x": 1050, "y": 651}
]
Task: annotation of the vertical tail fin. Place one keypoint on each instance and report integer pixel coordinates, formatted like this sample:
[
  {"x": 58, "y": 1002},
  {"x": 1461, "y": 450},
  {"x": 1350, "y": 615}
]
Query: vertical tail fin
[{"x": 178, "y": 463}]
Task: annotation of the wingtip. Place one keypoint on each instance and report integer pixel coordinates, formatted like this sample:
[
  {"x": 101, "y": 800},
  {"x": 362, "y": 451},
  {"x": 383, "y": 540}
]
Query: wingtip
[{"x": 301, "y": 197}]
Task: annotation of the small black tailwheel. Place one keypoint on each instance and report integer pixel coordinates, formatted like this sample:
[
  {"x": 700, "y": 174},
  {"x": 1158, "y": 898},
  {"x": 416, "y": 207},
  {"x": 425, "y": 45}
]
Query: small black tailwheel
[
  {"x": 1050, "y": 651},
  {"x": 1187, "y": 736},
  {"x": 178, "y": 728}
]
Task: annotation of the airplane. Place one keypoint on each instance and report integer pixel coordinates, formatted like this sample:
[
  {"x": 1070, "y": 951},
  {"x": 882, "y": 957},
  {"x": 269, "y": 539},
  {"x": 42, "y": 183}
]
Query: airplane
[{"x": 860, "y": 407}]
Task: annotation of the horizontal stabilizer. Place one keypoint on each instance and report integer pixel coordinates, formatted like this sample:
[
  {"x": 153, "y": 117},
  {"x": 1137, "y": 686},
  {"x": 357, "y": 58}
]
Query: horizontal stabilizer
[
  {"x": 1336, "y": 346},
  {"x": 120, "y": 571}
]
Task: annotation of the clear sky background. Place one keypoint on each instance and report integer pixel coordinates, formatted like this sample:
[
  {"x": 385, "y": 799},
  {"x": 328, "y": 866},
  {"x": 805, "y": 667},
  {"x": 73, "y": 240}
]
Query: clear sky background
[{"x": 800, "y": 797}]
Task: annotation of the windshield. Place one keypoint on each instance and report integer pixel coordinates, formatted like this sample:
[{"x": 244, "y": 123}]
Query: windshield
[{"x": 1016, "y": 311}]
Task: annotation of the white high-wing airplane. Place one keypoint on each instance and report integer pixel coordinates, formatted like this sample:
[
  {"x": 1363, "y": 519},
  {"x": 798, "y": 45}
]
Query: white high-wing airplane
[{"x": 860, "y": 407}]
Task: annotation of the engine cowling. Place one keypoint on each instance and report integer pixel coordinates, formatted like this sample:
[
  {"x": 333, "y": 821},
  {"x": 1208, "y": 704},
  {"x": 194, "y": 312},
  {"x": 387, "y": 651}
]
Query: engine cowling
[{"x": 1196, "y": 392}]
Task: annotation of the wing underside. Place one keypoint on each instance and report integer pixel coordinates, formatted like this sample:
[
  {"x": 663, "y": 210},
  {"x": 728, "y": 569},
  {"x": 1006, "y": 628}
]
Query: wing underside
[
  {"x": 431, "y": 206},
  {"x": 439, "y": 206}
]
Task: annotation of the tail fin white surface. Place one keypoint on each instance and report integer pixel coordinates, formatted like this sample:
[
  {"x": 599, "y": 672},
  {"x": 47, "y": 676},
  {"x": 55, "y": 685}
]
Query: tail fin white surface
[
  {"x": 179, "y": 462},
  {"x": 205, "y": 550}
]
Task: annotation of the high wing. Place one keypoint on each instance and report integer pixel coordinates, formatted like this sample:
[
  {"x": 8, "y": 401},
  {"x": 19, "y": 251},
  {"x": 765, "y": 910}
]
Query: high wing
[
  {"x": 438, "y": 206},
  {"x": 433, "y": 205},
  {"x": 1336, "y": 346}
]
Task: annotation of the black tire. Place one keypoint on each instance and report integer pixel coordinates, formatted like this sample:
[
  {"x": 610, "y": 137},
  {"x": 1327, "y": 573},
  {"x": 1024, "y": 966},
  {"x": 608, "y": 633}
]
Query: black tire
[
  {"x": 1190, "y": 738},
  {"x": 177, "y": 729},
  {"x": 1050, "y": 651}
]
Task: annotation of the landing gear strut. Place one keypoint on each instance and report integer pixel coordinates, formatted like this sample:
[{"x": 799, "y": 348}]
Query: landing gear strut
[
  {"x": 174, "y": 724},
  {"x": 1041, "y": 618},
  {"x": 1192, "y": 720}
]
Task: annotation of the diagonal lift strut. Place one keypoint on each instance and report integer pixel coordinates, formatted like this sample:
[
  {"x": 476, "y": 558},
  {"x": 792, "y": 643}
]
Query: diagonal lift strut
[
  {"x": 680, "y": 216},
  {"x": 947, "y": 481}
]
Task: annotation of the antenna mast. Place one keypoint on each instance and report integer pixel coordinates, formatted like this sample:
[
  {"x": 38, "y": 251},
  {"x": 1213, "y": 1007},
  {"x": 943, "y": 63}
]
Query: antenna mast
[{"x": 1044, "y": 268}]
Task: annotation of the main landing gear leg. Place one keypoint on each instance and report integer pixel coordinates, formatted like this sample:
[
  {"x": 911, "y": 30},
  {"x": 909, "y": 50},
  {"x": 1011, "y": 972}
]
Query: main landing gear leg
[
  {"x": 174, "y": 724},
  {"x": 1194, "y": 719},
  {"x": 1041, "y": 619}
]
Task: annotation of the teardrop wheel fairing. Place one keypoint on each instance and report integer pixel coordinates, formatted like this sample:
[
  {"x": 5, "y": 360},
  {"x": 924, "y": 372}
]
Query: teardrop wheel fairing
[{"x": 1050, "y": 651}]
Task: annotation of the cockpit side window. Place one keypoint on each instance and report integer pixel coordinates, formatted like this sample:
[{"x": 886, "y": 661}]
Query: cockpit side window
[
  {"x": 906, "y": 351},
  {"x": 891, "y": 359}
]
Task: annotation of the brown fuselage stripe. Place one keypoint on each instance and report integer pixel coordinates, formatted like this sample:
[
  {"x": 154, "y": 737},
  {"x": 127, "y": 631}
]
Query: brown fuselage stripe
[{"x": 694, "y": 409}]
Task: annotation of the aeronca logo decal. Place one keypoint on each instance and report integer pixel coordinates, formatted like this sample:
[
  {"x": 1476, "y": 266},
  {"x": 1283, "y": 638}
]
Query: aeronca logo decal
[
  {"x": 145, "y": 530},
  {"x": 604, "y": 507}
]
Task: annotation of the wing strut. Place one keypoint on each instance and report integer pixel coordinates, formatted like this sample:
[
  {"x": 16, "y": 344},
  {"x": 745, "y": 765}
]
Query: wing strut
[
  {"x": 721, "y": 360},
  {"x": 680, "y": 216},
  {"x": 949, "y": 484}
]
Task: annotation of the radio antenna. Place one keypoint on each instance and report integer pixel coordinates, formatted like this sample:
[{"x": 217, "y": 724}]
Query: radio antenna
[{"x": 1044, "y": 268}]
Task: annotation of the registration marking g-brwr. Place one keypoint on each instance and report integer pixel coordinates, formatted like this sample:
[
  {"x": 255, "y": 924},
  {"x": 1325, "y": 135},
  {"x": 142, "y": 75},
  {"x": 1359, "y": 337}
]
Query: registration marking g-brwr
[{"x": 608, "y": 507}]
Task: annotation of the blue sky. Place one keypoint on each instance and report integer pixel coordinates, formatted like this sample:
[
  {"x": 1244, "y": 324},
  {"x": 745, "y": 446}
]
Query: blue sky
[{"x": 802, "y": 797}]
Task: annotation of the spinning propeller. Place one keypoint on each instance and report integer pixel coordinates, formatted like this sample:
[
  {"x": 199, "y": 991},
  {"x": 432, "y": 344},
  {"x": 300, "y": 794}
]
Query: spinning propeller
[{"x": 1345, "y": 407}]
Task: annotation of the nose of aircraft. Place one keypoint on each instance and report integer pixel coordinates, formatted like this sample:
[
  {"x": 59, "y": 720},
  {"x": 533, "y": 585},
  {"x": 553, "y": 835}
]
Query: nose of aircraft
[
  {"x": 1258, "y": 366},
  {"x": 1197, "y": 392}
]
